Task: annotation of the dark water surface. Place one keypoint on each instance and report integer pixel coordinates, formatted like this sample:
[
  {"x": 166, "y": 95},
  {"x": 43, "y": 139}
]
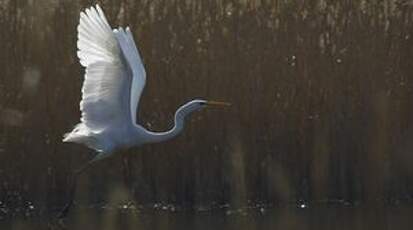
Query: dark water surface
[{"x": 320, "y": 217}]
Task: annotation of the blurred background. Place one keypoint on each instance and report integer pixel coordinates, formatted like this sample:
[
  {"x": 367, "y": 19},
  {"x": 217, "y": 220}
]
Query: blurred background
[{"x": 322, "y": 114}]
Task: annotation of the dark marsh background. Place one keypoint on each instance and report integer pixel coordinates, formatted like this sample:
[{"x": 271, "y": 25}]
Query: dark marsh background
[{"x": 321, "y": 93}]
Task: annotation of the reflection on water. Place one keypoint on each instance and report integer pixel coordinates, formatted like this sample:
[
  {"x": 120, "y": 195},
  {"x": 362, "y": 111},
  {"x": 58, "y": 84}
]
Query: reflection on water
[{"x": 317, "y": 218}]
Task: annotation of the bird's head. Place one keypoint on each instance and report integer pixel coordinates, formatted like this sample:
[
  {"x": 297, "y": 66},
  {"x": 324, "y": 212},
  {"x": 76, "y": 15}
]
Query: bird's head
[{"x": 198, "y": 104}]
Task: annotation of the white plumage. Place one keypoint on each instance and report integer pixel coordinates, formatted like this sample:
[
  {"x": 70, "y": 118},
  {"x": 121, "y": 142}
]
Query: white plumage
[
  {"x": 113, "y": 84},
  {"x": 109, "y": 102}
]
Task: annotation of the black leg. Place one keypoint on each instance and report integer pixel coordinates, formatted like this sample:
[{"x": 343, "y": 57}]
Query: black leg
[{"x": 73, "y": 182}]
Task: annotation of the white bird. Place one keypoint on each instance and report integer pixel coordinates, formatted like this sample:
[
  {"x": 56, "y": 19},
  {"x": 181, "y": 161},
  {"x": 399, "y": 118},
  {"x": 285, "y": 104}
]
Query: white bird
[{"x": 114, "y": 81}]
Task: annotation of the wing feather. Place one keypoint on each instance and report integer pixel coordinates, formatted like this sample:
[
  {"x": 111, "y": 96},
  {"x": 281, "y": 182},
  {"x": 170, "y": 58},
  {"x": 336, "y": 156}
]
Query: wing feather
[
  {"x": 134, "y": 61},
  {"x": 107, "y": 84}
]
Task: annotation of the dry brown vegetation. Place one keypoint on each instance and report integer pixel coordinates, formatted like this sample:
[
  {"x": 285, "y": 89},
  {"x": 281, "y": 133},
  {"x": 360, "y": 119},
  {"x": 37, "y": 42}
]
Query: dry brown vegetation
[{"x": 321, "y": 93}]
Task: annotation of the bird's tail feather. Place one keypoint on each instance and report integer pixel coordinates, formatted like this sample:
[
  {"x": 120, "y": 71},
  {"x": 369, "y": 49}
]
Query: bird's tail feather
[
  {"x": 82, "y": 135},
  {"x": 77, "y": 134}
]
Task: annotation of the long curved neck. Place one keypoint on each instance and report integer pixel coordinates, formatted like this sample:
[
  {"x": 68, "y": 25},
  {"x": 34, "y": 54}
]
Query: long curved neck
[{"x": 180, "y": 114}]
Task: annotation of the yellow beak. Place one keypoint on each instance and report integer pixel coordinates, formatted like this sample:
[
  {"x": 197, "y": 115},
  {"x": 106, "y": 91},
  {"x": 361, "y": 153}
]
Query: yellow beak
[{"x": 218, "y": 103}]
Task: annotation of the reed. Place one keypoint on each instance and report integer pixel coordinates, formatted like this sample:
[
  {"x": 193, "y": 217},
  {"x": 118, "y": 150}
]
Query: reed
[{"x": 321, "y": 95}]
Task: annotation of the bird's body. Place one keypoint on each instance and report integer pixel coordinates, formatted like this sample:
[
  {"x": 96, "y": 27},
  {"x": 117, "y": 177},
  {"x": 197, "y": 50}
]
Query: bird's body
[
  {"x": 114, "y": 81},
  {"x": 113, "y": 84},
  {"x": 107, "y": 141}
]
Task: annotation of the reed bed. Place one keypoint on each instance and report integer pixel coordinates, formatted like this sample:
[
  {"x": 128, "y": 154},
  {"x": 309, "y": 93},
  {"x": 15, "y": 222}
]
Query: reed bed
[{"x": 321, "y": 93}]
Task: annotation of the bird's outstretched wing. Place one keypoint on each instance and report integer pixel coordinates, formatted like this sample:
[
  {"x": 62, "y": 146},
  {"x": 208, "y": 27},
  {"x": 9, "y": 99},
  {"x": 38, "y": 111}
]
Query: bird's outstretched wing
[
  {"x": 134, "y": 62},
  {"x": 114, "y": 77}
]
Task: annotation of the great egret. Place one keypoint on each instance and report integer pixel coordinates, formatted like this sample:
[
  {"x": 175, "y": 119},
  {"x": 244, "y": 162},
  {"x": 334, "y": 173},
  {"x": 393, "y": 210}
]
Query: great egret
[{"x": 114, "y": 81}]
